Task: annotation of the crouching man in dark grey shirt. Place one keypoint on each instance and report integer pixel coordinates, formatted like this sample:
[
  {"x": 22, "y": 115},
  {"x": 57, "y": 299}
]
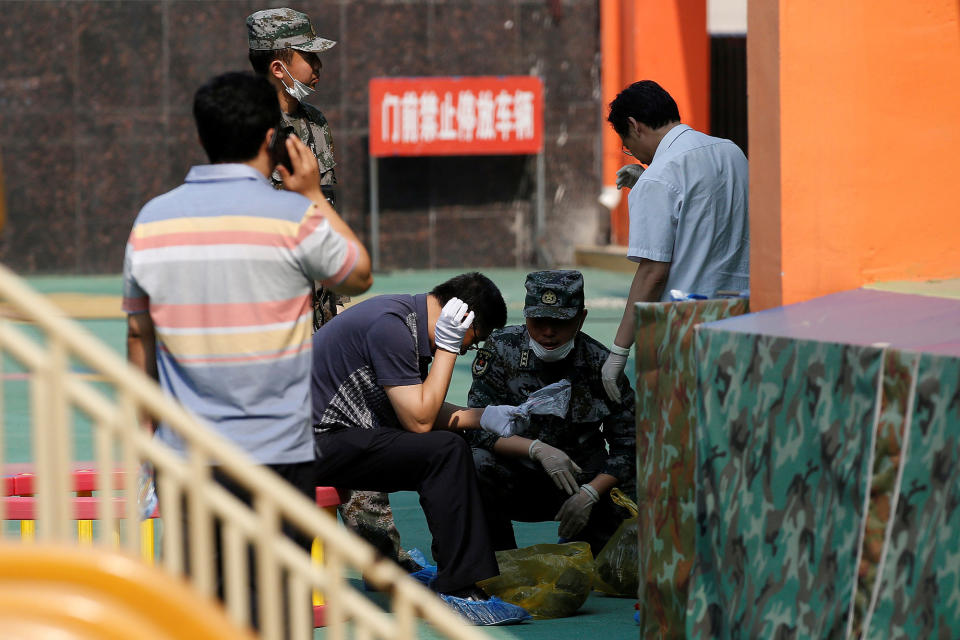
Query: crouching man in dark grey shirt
[{"x": 382, "y": 423}]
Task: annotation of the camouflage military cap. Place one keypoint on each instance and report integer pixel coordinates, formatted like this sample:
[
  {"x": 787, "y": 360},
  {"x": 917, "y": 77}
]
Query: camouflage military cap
[
  {"x": 553, "y": 294},
  {"x": 283, "y": 28}
]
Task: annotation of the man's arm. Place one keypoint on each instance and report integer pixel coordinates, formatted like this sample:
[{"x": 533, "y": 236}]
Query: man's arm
[
  {"x": 647, "y": 286},
  {"x": 360, "y": 277},
  {"x": 142, "y": 343},
  {"x": 456, "y": 418},
  {"x": 519, "y": 447},
  {"x": 418, "y": 405},
  {"x": 305, "y": 180},
  {"x": 142, "y": 350}
]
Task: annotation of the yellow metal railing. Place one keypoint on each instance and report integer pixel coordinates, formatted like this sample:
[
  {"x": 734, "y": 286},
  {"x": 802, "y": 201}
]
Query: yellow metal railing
[{"x": 56, "y": 395}]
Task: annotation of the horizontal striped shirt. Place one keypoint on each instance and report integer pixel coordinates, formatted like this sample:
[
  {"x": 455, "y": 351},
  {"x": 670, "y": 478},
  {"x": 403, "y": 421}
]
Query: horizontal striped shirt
[{"x": 225, "y": 266}]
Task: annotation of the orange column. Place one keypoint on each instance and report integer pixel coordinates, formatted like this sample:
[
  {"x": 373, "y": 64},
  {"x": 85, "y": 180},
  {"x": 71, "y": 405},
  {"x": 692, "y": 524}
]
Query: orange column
[
  {"x": 670, "y": 45},
  {"x": 612, "y": 81},
  {"x": 858, "y": 181},
  {"x": 661, "y": 40},
  {"x": 763, "y": 103}
]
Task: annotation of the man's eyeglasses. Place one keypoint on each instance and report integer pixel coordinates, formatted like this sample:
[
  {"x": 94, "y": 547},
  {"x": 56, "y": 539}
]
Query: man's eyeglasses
[
  {"x": 476, "y": 343},
  {"x": 626, "y": 151}
]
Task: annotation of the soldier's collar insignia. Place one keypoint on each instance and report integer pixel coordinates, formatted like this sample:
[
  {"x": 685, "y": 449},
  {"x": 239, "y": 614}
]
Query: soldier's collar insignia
[
  {"x": 482, "y": 362},
  {"x": 524, "y": 358},
  {"x": 548, "y": 297}
]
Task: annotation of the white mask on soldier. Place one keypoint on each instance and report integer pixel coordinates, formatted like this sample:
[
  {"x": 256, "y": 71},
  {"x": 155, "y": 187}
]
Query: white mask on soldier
[
  {"x": 298, "y": 91},
  {"x": 552, "y": 355}
]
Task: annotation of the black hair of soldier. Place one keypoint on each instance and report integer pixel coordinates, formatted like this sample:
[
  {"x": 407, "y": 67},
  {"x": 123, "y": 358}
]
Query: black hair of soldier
[
  {"x": 482, "y": 297},
  {"x": 260, "y": 59},
  {"x": 644, "y": 101},
  {"x": 233, "y": 112}
]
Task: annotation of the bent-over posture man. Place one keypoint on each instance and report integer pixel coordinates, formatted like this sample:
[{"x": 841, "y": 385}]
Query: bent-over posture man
[
  {"x": 553, "y": 468},
  {"x": 688, "y": 211},
  {"x": 381, "y": 370}
]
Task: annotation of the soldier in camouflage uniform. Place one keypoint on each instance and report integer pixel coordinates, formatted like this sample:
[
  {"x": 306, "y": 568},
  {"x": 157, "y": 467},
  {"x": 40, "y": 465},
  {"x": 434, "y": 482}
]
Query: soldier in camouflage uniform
[
  {"x": 284, "y": 47},
  {"x": 553, "y": 468}
]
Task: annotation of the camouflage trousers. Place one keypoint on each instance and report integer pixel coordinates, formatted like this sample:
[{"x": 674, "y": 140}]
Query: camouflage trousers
[{"x": 368, "y": 514}]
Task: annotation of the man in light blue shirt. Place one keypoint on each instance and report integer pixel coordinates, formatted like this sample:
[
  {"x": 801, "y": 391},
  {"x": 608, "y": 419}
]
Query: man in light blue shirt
[{"x": 689, "y": 228}]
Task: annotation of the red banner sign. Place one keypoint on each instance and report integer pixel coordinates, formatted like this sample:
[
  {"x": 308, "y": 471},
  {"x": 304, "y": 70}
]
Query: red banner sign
[{"x": 456, "y": 116}]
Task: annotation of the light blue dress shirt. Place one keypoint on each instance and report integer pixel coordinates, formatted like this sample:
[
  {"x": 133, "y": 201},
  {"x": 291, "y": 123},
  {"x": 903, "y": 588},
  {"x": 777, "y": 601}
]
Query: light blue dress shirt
[{"x": 689, "y": 208}]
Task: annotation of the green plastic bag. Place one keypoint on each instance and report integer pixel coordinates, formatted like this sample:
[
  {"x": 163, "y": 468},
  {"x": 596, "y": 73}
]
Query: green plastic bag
[
  {"x": 548, "y": 580},
  {"x": 618, "y": 563}
]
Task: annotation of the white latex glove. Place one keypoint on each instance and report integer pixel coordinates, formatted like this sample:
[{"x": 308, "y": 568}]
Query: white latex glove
[
  {"x": 500, "y": 419},
  {"x": 452, "y": 325},
  {"x": 627, "y": 175},
  {"x": 611, "y": 370},
  {"x": 575, "y": 512},
  {"x": 557, "y": 464}
]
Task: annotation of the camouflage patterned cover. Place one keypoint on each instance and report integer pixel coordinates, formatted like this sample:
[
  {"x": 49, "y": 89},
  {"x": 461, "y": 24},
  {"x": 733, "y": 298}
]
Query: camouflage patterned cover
[
  {"x": 897, "y": 377},
  {"x": 368, "y": 514},
  {"x": 272, "y": 29},
  {"x": 783, "y": 440},
  {"x": 666, "y": 413},
  {"x": 919, "y": 592}
]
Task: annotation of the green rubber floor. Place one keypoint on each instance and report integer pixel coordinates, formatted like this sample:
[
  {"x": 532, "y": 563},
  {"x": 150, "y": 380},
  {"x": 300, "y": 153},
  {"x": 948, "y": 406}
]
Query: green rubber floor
[{"x": 600, "y": 617}]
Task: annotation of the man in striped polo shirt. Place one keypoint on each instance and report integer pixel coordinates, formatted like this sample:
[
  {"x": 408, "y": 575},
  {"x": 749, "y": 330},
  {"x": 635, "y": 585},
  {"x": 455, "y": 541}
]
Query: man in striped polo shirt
[{"x": 218, "y": 281}]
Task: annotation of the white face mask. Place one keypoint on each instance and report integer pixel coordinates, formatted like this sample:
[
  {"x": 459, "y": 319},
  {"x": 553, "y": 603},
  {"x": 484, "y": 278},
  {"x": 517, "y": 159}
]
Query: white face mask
[
  {"x": 298, "y": 91},
  {"x": 552, "y": 355}
]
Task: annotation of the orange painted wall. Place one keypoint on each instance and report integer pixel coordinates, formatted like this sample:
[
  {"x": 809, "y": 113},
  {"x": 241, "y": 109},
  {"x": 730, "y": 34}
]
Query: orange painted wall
[
  {"x": 763, "y": 104},
  {"x": 671, "y": 46},
  {"x": 661, "y": 40},
  {"x": 868, "y": 178}
]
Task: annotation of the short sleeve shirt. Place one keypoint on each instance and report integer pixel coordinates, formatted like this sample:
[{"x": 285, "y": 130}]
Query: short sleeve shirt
[
  {"x": 224, "y": 265},
  {"x": 382, "y": 341},
  {"x": 690, "y": 208}
]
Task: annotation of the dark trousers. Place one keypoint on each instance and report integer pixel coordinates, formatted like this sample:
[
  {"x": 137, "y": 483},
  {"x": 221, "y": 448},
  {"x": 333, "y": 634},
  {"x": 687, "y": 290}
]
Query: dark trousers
[
  {"x": 513, "y": 490},
  {"x": 302, "y": 476},
  {"x": 437, "y": 465}
]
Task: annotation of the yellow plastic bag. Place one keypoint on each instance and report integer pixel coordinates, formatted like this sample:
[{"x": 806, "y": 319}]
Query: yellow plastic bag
[
  {"x": 548, "y": 580},
  {"x": 618, "y": 563}
]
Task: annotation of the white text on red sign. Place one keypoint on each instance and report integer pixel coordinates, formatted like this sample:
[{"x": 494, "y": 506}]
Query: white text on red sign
[{"x": 413, "y": 117}]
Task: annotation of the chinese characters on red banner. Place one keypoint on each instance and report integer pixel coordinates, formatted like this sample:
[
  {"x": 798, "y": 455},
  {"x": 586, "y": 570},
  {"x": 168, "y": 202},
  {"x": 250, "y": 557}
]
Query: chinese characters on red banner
[{"x": 456, "y": 116}]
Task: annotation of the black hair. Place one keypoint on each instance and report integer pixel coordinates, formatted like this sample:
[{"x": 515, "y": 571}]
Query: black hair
[
  {"x": 233, "y": 112},
  {"x": 481, "y": 295},
  {"x": 645, "y": 102},
  {"x": 260, "y": 59}
]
